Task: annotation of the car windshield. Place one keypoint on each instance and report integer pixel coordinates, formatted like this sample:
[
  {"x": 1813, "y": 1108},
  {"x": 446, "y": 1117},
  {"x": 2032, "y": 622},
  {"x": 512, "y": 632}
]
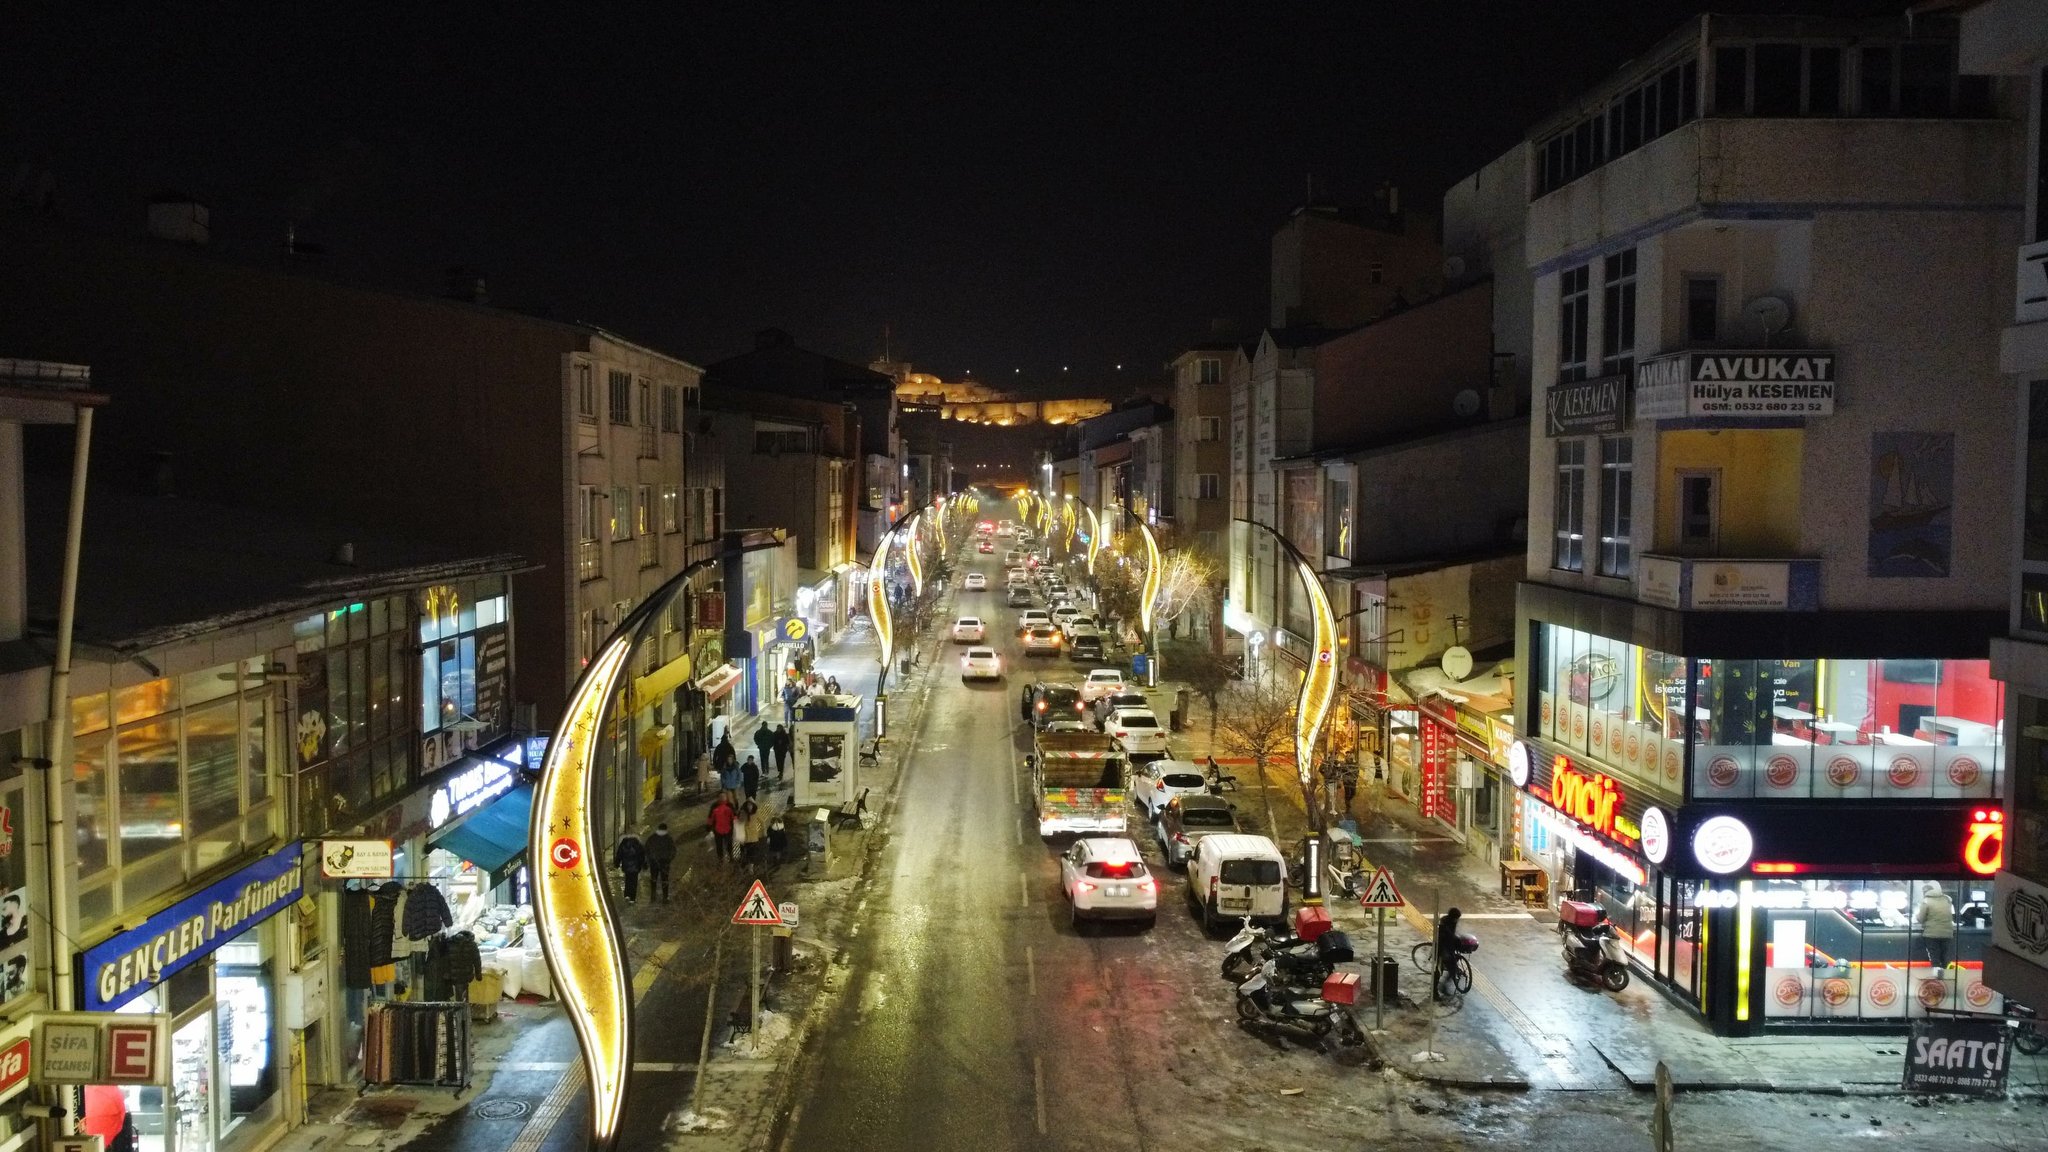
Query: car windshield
[
  {"x": 968, "y": 622},
  {"x": 1137, "y": 720},
  {"x": 986, "y": 654},
  {"x": 1182, "y": 780},
  {"x": 1250, "y": 871},
  {"x": 1041, "y": 633},
  {"x": 1208, "y": 818},
  {"x": 1115, "y": 870},
  {"x": 1060, "y": 696}
]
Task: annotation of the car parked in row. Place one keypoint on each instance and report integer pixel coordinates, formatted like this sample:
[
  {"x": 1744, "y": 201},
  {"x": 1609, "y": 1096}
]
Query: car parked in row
[
  {"x": 1154, "y": 785},
  {"x": 1052, "y": 701},
  {"x": 1189, "y": 818},
  {"x": 1101, "y": 682},
  {"x": 1138, "y": 730},
  {"x": 1104, "y": 878},
  {"x": 1128, "y": 698}
]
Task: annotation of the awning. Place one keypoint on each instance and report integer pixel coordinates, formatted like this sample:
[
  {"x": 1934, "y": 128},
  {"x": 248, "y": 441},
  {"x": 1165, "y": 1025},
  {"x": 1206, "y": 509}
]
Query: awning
[
  {"x": 719, "y": 681},
  {"x": 494, "y": 836},
  {"x": 654, "y": 687},
  {"x": 812, "y": 578}
]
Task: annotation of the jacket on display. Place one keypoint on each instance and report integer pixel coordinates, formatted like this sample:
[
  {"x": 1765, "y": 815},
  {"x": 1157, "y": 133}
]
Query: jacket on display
[{"x": 426, "y": 912}]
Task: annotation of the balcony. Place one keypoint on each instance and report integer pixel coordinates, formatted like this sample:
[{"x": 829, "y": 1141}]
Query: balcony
[
  {"x": 589, "y": 560},
  {"x": 1728, "y": 584}
]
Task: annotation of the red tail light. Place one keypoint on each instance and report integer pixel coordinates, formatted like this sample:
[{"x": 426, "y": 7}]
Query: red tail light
[
  {"x": 1081, "y": 886},
  {"x": 1148, "y": 884}
]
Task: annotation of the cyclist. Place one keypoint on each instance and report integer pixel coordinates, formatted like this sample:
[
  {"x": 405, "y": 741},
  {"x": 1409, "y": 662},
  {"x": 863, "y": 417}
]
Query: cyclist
[{"x": 1446, "y": 951}]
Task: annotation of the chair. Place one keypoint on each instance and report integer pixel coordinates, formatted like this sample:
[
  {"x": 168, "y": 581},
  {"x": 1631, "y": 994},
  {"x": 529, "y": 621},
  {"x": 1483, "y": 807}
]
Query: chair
[{"x": 850, "y": 813}]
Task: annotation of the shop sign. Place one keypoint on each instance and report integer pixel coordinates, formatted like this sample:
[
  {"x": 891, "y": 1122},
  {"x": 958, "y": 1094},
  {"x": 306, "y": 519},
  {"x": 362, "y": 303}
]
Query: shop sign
[
  {"x": 468, "y": 789},
  {"x": 1578, "y": 407},
  {"x": 355, "y": 859},
  {"x": 1656, "y": 835},
  {"x": 537, "y": 751},
  {"x": 1559, "y": 825},
  {"x": 1518, "y": 764},
  {"x": 78, "y": 1144},
  {"x": 785, "y": 632},
  {"x": 116, "y": 970},
  {"x": 1723, "y": 844},
  {"x": 1970, "y": 1057},
  {"x": 1434, "y": 802},
  {"x": 1984, "y": 851},
  {"x": 1764, "y": 384},
  {"x": 14, "y": 1066},
  {"x": 101, "y": 1048},
  {"x": 1588, "y": 797},
  {"x": 2020, "y": 922}
]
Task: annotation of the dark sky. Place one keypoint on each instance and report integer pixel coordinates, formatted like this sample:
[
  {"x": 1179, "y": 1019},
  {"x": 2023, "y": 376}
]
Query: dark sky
[{"x": 1069, "y": 186}]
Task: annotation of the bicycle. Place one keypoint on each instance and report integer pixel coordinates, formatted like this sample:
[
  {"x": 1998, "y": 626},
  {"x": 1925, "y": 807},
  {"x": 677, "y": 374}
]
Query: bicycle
[{"x": 1457, "y": 976}]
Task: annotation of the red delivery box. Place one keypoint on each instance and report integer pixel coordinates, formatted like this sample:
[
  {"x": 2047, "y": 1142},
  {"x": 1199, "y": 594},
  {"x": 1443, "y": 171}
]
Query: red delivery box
[
  {"x": 1311, "y": 921},
  {"x": 1579, "y": 914},
  {"x": 1341, "y": 987}
]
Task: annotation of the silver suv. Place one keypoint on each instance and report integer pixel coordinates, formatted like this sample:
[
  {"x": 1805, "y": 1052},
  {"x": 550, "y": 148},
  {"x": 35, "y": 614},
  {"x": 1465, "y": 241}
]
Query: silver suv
[{"x": 1186, "y": 820}]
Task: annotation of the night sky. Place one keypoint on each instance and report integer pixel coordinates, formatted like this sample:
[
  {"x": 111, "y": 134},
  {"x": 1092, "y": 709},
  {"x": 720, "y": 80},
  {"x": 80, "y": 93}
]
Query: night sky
[{"x": 1069, "y": 187}]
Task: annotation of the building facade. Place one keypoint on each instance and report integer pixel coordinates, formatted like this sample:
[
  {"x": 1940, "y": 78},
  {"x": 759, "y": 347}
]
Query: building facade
[{"x": 1201, "y": 462}]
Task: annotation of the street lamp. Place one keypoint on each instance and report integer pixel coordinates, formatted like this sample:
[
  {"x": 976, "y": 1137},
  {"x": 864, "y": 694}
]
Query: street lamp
[{"x": 1319, "y": 683}]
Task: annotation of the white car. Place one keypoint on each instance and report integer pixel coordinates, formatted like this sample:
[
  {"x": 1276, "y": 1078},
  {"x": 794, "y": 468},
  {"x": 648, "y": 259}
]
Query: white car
[
  {"x": 1137, "y": 729},
  {"x": 1101, "y": 682},
  {"x": 1079, "y": 620},
  {"x": 1017, "y": 578},
  {"x": 1031, "y": 618},
  {"x": 981, "y": 664},
  {"x": 1068, "y": 726},
  {"x": 1105, "y": 878},
  {"x": 1014, "y": 558},
  {"x": 1062, "y": 613},
  {"x": 1158, "y": 782},
  {"x": 969, "y": 630},
  {"x": 974, "y": 582},
  {"x": 1007, "y": 528},
  {"x": 1041, "y": 640}
]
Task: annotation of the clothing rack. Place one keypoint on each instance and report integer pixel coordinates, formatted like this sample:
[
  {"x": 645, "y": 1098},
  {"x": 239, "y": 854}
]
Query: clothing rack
[{"x": 424, "y": 1042}]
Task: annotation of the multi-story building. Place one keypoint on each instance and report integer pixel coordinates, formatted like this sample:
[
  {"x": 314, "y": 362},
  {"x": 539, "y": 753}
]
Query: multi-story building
[
  {"x": 2009, "y": 38},
  {"x": 1152, "y": 471},
  {"x": 1339, "y": 268},
  {"x": 1201, "y": 406},
  {"x": 1767, "y": 512}
]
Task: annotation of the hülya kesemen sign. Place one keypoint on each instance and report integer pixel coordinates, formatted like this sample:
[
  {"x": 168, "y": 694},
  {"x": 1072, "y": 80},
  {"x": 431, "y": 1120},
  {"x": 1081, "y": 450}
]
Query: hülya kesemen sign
[
  {"x": 1758, "y": 384},
  {"x": 118, "y": 969}
]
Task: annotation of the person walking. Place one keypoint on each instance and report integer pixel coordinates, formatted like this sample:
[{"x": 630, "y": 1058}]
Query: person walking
[
  {"x": 661, "y": 856},
  {"x": 1350, "y": 790},
  {"x": 731, "y": 780},
  {"x": 832, "y": 686},
  {"x": 721, "y": 819},
  {"x": 1935, "y": 920},
  {"x": 764, "y": 742},
  {"x": 630, "y": 856},
  {"x": 785, "y": 739},
  {"x": 790, "y": 695},
  {"x": 723, "y": 756},
  {"x": 1024, "y": 704},
  {"x": 757, "y": 833},
  {"x": 750, "y": 778}
]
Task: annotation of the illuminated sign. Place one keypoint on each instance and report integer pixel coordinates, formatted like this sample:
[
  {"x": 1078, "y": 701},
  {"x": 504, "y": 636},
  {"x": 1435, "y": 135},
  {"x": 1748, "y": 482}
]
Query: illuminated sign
[
  {"x": 1518, "y": 764},
  {"x": 1984, "y": 851},
  {"x": 468, "y": 789},
  {"x": 1563, "y": 828},
  {"x": 1588, "y": 797},
  {"x": 1432, "y": 769},
  {"x": 121, "y": 967},
  {"x": 1722, "y": 844},
  {"x": 1656, "y": 835}
]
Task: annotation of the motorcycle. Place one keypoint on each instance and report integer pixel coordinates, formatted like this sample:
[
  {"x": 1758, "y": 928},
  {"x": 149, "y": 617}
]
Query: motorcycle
[
  {"x": 1297, "y": 962},
  {"x": 2027, "y": 1035},
  {"x": 1307, "y": 1019},
  {"x": 1593, "y": 951}
]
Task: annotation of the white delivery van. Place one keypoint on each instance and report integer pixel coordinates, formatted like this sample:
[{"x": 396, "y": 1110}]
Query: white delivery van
[{"x": 1234, "y": 876}]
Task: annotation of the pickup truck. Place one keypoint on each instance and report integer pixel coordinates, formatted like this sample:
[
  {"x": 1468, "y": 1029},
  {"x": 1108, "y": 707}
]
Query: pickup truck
[{"x": 1078, "y": 784}]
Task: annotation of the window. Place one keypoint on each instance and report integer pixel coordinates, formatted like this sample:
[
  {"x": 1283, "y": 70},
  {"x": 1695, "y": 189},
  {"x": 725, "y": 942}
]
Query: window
[
  {"x": 1699, "y": 511},
  {"x": 671, "y": 408},
  {"x": 1208, "y": 371},
  {"x": 621, "y": 384},
  {"x": 1571, "y": 323},
  {"x": 1618, "y": 313},
  {"x": 1661, "y": 103},
  {"x": 650, "y": 443},
  {"x": 1775, "y": 73},
  {"x": 1208, "y": 486},
  {"x": 776, "y": 439},
  {"x": 622, "y": 514},
  {"x": 586, "y": 392},
  {"x": 1617, "y": 487},
  {"x": 357, "y": 673},
  {"x": 671, "y": 509},
  {"x": 1926, "y": 79},
  {"x": 1824, "y": 81},
  {"x": 589, "y": 523},
  {"x": 1337, "y": 518},
  {"x": 586, "y": 634},
  {"x": 643, "y": 526},
  {"x": 1208, "y": 429},
  {"x": 1568, "y": 519},
  {"x": 1702, "y": 309},
  {"x": 1874, "y": 79}
]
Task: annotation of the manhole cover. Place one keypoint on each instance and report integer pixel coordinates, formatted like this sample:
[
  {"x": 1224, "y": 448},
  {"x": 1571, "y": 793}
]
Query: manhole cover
[{"x": 499, "y": 1109}]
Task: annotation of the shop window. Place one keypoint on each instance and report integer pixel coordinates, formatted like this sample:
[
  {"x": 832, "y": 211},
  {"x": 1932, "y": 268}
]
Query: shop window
[
  {"x": 146, "y": 777},
  {"x": 1871, "y": 949},
  {"x": 1846, "y": 729},
  {"x": 2034, "y": 542},
  {"x": 1615, "y": 702}
]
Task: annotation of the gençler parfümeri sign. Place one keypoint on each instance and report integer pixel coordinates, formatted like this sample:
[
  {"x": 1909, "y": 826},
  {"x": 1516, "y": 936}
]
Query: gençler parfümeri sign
[{"x": 1763, "y": 384}]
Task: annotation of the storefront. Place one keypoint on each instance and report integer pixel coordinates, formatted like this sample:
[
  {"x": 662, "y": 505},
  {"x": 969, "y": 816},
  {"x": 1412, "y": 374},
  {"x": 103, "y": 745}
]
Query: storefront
[
  {"x": 215, "y": 961},
  {"x": 1783, "y": 841},
  {"x": 817, "y": 601}
]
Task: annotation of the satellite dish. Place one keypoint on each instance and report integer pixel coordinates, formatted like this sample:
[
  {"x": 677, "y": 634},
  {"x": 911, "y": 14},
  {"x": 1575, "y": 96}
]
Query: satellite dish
[
  {"x": 1466, "y": 403},
  {"x": 1457, "y": 662},
  {"x": 1454, "y": 267},
  {"x": 1769, "y": 313}
]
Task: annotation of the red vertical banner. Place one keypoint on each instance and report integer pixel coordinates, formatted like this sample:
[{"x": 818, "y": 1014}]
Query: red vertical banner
[{"x": 1432, "y": 768}]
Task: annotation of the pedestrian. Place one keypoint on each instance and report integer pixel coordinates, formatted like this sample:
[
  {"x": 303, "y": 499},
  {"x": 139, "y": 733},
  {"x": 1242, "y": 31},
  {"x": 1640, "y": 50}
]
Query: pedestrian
[
  {"x": 751, "y": 835},
  {"x": 790, "y": 695},
  {"x": 784, "y": 740},
  {"x": 778, "y": 838},
  {"x": 1350, "y": 789},
  {"x": 764, "y": 741},
  {"x": 721, "y": 819},
  {"x": 732, "y": 780},
  {"x": 739, "y": 834},
  {"x": 1446, "y": 950},
  {"x": 661, "y": 856},
  {"x": 1024, "y": 703},
  {"x": 1935, "y": 920},
  {"x": 630, "y": 857},
  {"x": 722, "y": 756},
  {"x": 832, "y": 686},
  {"x": 750, "y": 778}
]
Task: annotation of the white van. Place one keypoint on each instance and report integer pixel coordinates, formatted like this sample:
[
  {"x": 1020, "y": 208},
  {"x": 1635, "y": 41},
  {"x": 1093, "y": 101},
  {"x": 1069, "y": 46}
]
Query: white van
[{"x": 1235, "y": 876}]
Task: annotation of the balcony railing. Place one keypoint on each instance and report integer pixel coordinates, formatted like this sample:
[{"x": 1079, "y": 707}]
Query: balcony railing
[
  {"x": 589, "y": 560},
  {"x": 1721, "y": 584}
]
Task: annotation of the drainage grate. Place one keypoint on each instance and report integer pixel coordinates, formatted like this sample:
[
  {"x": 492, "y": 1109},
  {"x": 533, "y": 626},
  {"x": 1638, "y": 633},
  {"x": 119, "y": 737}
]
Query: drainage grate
[{"x": 499, "y": 1109}]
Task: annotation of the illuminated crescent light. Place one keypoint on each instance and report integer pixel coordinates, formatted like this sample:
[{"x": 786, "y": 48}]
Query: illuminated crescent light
[
  {"x": 1094, "y": 537},
  {"x": 579, "y": 929},
  {"x": 1320, "y": 682},
  {"x": 910, "y": 553},
  {"x": 1151, "y": 577},
  {"x": 878, "y": 600},
  {"x": 939, "y": 522}
]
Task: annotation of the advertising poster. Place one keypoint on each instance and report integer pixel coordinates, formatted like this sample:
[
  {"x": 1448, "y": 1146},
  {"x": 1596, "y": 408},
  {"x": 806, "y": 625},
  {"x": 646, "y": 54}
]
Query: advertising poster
[
  {"x": 1912, "y": 490},
  {"x": 14, "y": 945}
]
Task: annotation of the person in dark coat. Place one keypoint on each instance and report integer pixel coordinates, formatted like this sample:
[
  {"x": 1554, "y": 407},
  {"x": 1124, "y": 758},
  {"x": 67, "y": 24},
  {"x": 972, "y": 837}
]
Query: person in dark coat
[
  {"x": 1446, "y": 948},
  {"x": 661, "y": 856},
  {"x": 764, "y": 742},
  {"x": 723, "y": 756},
  {"x": 1024, "y": 704},
  {"x": 784, "y": 739},
  {"x": 750, "y": 777},
  {"x": 630, "y": 857}
]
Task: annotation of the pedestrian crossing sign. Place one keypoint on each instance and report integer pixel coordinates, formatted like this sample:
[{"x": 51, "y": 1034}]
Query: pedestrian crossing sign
[
  {"x": 1379, "y": 891},
  {"x": 757, "y": 908}
]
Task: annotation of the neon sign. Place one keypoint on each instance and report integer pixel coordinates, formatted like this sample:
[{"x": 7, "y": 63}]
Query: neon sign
[
  {"x": 1984, "y": 851},
  {"x": 1590, "y": 798}
]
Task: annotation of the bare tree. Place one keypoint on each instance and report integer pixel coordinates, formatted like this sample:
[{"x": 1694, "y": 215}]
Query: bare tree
[
  {"x": 1206, "y": 674},
  {"x": 1187, "y": 582},
  {"x": 1258, "y": 722}
]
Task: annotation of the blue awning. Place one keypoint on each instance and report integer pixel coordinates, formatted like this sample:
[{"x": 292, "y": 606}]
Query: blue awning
[{"x": 494, "y": 836}]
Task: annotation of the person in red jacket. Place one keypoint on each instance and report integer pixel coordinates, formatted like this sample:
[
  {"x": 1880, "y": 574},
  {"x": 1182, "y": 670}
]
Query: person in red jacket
[{"x": 721, "y": 821}]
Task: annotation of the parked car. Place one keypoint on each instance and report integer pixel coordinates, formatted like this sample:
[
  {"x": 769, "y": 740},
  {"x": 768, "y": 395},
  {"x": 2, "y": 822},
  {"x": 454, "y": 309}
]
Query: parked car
[
  {"x": 974, "y": 582},
  {"x": 1041, "y": 640},
  {"x": 1101, "y": 682},
  {"x": 1233, "y": 876},
  {"x": 1137, "y": 729},
  {"x": 1156, "y": 783},
  {"x": 969, "y": 630},
  {"x": 981, "y": 664},
  {"x": 1018, "y": 596},
  {"x": 1084, "y": 644},
  {"x": 1033, "y": 618},
  {"x": 1129, "y": 698},
  {"x": 1061, "y": 612},
  {"x": 1069, "y": 726},
  {"x": 1104, "y": 878},
  {"x": 1082, "y": 620},
  {"x": 1053, "y": 701},
  {"x": 1187, "y": 819}
]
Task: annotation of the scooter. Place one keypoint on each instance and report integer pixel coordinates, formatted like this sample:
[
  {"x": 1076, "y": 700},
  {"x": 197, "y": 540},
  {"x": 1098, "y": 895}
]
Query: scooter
[
  {"x": 1307, "y": 1019},
  {"x": 1593, "y": 952},
  {"x": 1297, "y": 962}
]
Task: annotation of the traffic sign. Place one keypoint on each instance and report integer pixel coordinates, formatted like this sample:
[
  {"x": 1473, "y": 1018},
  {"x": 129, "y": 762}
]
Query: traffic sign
[
  {"x": 757, "y": 908},
  {"x": 1380, "y": 891}
]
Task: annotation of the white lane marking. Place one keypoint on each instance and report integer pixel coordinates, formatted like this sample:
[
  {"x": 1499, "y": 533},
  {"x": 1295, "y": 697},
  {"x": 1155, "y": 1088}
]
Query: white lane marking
[
  {"x": 1024, "y": 888},
  {"x": 1030, "y": 972},
  {"x": 1038, "y": 1090},
  {"x": 1016, "y": 796},
  {"x": 1407, "y": 840},
  {"x": 1018, "y": 830},
  {"x": 1498, "y": 916}
]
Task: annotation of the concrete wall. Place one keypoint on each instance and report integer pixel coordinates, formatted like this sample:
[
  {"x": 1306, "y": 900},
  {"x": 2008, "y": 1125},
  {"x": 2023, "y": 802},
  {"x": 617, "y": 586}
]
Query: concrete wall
[
  {"x": 1322, "y": 268},
  {"x": 1400, "y": 375},
  {"x": 1445, "y": 494}
]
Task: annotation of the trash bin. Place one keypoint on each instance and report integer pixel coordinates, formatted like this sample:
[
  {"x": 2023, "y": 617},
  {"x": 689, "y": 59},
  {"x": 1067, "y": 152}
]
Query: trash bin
[
  {"x": 1384, "y": 973},
  {"x": 1181, "y": 700}
]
